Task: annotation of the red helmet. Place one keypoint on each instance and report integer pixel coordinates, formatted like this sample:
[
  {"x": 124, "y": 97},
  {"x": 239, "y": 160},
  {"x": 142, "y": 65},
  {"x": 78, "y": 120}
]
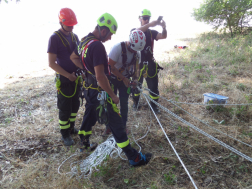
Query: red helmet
[{"x": 67, "y": 17}]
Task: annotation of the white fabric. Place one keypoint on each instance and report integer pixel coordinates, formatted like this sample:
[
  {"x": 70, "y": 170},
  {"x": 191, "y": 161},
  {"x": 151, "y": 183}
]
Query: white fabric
[{"x": 116, "y": 55}]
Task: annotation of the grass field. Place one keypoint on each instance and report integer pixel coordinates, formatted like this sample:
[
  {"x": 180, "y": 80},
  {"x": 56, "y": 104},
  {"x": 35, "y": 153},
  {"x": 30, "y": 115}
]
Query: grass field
[{"x": 31, "y": 150}]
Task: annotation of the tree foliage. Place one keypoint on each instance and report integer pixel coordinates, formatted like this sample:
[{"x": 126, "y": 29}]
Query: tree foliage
[
  {"x": 228, "y": 14},
  {"x": 6, "y": 1}
]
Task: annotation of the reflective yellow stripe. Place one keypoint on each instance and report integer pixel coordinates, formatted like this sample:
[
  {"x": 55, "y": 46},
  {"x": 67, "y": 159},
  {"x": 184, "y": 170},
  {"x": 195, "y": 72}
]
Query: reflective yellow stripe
[
  {"x": 84, "y": 133},
  {"x": 137, "y": 94},
  {"x": 123, "y": 144},
  {"x": 74, "y": 114},
  {"x": 72, "y": 119},
  {"x": 154, "y": 97},
  {"x": 63, "y": 122},
  {"x": 65, "y": 127}
]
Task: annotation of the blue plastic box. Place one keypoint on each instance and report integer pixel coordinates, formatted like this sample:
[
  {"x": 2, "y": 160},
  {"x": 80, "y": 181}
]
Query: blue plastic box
[{"x": 211, "y": 98}]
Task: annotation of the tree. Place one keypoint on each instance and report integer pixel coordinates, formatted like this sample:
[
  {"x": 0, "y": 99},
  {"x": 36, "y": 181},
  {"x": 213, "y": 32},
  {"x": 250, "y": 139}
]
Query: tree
[
  {"x": 6, "y": 1},
  {"x": 229, "y": 14}
]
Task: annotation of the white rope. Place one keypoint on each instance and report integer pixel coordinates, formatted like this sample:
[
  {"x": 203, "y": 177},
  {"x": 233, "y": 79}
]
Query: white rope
[
  {"x": 148, "y": 129},
  {"x": 202, "y": 132},
  {"x": 201, "y": 120},
  {"x": 171, "y": 143},
  {"x": 85, "y": 167},
  {"x": 108, "y": 148}
]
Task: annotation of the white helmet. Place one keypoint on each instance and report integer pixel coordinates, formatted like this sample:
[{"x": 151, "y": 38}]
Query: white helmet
[{"x": 137, "y": 40}]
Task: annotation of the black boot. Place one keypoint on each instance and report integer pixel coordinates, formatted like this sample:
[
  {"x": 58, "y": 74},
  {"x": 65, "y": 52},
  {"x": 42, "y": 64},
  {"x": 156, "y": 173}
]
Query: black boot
[
  {"x": 73, "y": 130},
  {"x": 66, "y": 138},
  {"x": 85, "y": 144},
  {"x": 155, "y": 107},
  {"x": 135, "y": 104},
  {"x": 142, "y": 159}
]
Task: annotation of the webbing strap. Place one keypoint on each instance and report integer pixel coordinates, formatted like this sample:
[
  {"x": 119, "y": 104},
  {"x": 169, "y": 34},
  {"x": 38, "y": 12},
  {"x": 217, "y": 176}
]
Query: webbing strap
[
  {"x": 124, "y": 53},
  {"x": 152, "y": 42},
  {"x": 65, "y": 41},
  {"x": 124, "y": 59},
  {"x": 84, "y": 51}
]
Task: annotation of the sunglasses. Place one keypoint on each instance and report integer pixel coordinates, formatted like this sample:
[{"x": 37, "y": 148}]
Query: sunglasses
[{"x": 146, "y": 18}]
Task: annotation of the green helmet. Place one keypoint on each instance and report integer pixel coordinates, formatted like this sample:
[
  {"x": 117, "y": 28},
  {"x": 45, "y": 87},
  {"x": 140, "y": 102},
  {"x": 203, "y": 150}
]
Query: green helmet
[
  {"x": 146, "y": 12},
  {"x": 109, "y": 21}
]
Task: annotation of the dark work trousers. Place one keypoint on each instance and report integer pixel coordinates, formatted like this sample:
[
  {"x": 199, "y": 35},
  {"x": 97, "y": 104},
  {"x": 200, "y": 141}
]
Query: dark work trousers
[
  {"x": 115, "y": 123},
  {"x": 124, "y": 98},
  {"x": 152, "y": 82},
  {"x": 68, "y": 107}
]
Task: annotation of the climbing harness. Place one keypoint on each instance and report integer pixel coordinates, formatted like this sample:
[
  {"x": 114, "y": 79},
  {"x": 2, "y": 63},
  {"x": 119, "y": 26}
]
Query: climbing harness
[
  {"x": 145, "y": 70},
  {"x": 90, "y": 81},
  {"x": 65, "y": 41},
  {"x": 129, "y": 68},
  {"x": 148, "y": 54}
]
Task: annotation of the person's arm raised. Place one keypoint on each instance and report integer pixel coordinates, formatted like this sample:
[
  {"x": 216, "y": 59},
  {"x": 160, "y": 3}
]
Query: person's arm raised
[
  {"x": 145, "y": 27},
  {"x": 162, "y": 35}
]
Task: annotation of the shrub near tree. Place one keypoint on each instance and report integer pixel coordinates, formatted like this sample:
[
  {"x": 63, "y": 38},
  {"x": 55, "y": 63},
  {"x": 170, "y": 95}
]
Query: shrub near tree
[{"x": 233, "y": 15}]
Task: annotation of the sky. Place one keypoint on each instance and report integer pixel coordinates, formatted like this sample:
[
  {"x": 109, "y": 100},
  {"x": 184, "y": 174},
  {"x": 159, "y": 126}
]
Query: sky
[{"x": 26, "y": 26}]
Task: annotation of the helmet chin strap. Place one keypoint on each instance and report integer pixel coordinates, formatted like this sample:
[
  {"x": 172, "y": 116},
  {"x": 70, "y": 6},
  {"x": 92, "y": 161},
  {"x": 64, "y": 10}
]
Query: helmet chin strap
[
  {"x": 129, "y": 47},
  {"x": 63, "y": 27},
  {"x": 100, "y": 37}
]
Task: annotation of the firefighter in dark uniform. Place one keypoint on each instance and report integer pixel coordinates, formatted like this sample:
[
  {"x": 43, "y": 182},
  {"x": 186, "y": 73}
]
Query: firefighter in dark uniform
[
  {"x": 148, "y": 66},
  {"x": 91, "y": 56},
  {"x": 61, "y": 45}
]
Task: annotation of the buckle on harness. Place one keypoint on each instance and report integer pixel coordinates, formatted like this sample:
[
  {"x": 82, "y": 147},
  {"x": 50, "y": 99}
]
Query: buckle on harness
[
  {"x": 145, "y": 63},
  {"x": 148, "y": 49}
]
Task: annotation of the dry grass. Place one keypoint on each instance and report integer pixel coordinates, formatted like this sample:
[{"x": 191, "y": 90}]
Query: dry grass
[{"x": 31, "y": 150}]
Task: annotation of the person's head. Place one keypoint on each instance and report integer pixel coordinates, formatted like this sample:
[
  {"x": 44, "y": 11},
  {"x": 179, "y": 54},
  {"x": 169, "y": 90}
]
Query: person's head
[
  {"x": 106, "y": 26},
  {"x": 145, "y": 17},
  {"x": 67, "y": 19},
  {"x": 137, "y": 40}
]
